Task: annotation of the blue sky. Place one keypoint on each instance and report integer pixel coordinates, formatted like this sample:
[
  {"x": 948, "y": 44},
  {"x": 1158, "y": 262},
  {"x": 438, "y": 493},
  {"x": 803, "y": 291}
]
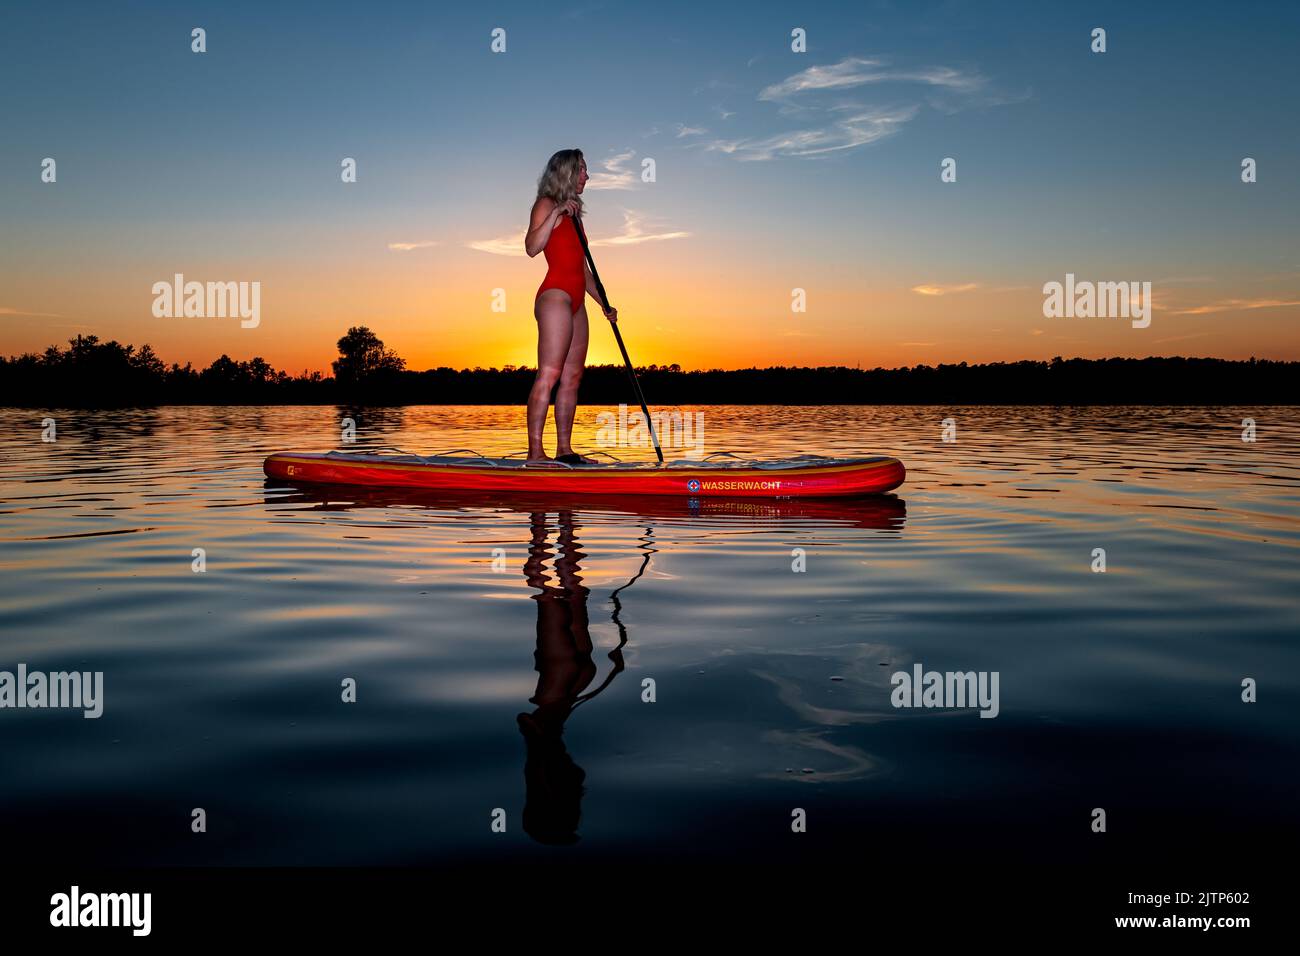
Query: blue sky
[{"x": 1122, "y": 164}]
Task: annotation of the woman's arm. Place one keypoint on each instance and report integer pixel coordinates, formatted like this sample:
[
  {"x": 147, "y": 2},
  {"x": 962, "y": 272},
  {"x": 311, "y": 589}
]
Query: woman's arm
[
  {"x": 546, "y": 213},
  {"x": 592, "y": 291}
]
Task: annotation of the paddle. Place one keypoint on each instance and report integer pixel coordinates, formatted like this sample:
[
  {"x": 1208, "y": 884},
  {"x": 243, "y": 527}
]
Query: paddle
[{"x": 604, "y": 301}]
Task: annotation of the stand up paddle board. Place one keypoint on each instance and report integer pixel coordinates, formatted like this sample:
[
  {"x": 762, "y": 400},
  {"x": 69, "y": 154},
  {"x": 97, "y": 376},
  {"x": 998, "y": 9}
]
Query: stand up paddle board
[{"x": 717, "y": 475}]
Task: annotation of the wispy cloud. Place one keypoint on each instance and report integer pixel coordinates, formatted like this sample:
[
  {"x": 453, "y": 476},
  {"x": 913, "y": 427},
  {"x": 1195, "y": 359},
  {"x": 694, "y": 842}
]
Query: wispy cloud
[
  {"x": 933, "y": 288},
  {"x": 944, "y": 289},
  {"x": 6, "y": 310},
  {"x": 636, "y": 229},
  {"x": 1234, "y": 305},
  {"x": 859, "y": 71},
  {"x": 616, "y": 174},
  {"x": 505, "y": 246},
  {"x": 847, "y": 123},
  {"x": 844, "y": 133},
  {"x": 684, "y": 130},
  {"x": 408, "y": 246}
]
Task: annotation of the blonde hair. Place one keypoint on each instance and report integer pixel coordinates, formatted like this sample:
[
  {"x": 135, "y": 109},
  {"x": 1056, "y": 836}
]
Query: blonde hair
[{"x": 560, "y": 179}]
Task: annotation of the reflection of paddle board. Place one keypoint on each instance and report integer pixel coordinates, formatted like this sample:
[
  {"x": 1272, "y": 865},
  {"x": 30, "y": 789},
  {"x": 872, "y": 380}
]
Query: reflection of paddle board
[
  {"x": 807, "y": 476},
  {"x": 874, "y": 512}
]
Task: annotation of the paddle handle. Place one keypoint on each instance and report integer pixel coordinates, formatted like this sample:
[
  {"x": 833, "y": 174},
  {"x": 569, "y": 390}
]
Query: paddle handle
[{"x": 618, "y": 337}]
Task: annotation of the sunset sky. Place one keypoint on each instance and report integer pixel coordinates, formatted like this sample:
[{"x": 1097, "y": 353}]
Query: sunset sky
[{"x": 775, "y": 170}]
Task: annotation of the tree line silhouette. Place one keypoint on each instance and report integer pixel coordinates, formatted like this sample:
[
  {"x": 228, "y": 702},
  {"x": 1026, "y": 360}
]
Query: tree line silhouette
[{"x": 94, "y": 374}]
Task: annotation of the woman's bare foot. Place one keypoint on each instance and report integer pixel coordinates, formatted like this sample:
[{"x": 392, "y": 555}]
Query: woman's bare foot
[{"x": 571, "y": 457}]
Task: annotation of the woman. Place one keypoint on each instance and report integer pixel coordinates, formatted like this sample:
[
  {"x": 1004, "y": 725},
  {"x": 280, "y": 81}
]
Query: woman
[{"x": 560, "y": 306}]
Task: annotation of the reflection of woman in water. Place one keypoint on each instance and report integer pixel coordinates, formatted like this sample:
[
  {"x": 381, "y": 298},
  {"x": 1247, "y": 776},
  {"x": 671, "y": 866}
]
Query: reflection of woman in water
[{"x": 565, "y": 669}]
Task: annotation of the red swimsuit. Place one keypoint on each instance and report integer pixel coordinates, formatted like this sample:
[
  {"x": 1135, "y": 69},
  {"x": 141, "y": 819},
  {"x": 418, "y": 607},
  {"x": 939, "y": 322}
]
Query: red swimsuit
[{"x": 564, "y": 263}]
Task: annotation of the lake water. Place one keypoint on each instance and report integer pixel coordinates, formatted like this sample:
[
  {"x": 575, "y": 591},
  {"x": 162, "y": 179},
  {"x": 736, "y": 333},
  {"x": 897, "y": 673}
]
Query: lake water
[{"x": 472, "y": 626}]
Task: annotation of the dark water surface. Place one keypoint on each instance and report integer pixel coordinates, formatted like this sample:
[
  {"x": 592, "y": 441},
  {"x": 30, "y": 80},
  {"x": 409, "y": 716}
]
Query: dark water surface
[{"x": 1119, "y": 690}]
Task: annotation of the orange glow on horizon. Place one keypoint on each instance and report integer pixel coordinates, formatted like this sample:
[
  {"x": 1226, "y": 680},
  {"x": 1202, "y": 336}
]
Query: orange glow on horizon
[{"x": 434, "y": 308}]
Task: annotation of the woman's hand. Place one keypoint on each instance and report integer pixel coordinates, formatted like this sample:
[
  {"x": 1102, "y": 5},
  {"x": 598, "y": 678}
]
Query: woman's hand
[
  {"x": 611, "y": 314},
  {"x": 567, "y": 208}
]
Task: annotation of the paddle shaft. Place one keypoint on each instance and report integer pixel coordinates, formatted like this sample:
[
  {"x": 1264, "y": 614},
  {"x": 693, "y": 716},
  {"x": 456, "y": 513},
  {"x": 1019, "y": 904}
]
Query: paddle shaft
[{"x": 618, "y": 337}]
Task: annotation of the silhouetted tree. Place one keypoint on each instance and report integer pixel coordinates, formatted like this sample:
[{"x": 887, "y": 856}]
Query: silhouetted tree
[{"x": 362, "y": 358}]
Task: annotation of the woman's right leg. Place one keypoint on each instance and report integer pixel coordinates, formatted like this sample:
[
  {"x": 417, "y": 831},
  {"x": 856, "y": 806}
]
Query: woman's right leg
[{"x": 554, "y": 332}]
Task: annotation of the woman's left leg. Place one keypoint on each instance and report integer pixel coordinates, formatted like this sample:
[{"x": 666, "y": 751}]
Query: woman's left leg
[
  {"x": 554, "y": 315},
  {"x": 566, "y": 394}
]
